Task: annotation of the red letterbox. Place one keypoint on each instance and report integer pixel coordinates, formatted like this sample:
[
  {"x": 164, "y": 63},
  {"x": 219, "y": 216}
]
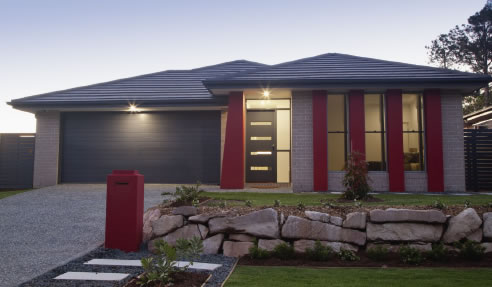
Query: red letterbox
[{"x": 124, "y": 210}]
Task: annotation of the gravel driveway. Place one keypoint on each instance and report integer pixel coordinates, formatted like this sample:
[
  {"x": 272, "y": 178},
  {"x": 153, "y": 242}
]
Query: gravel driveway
[{"x": 47, "y": 227}]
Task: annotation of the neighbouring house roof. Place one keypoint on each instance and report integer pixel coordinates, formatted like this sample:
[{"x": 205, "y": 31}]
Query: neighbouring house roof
[
  {"x": 480, "y": 117},
  {"x": 334, "y": 68},
  {"x": 172, "y": 87}
]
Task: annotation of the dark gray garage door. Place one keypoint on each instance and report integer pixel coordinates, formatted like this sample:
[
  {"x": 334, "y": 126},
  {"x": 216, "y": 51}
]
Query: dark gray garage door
[{"x": 166, "y": 147}]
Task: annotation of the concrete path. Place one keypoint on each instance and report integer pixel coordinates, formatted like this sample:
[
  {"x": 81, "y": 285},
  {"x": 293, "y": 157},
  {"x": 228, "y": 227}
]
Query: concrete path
[{"x": 47, "y": 227}]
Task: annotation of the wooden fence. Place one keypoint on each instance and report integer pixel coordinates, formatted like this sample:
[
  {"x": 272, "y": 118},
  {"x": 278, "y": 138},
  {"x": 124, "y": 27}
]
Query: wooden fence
[{"x": 478, "y": 159}]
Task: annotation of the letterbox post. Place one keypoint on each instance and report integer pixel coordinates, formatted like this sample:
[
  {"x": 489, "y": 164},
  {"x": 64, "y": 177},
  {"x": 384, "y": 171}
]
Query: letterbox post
[{"x": 124, "y": 210}]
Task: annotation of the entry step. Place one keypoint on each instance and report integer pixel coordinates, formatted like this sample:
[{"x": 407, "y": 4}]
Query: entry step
[{"x": 137, "y": 263}]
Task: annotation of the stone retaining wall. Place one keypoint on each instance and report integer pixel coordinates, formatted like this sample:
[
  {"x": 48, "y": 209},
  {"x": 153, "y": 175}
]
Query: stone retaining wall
[{"x": 234, "y": 235}]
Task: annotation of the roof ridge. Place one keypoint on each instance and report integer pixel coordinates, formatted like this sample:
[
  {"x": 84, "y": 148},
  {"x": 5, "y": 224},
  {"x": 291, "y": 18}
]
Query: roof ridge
[{"x": 227, "y": 63}]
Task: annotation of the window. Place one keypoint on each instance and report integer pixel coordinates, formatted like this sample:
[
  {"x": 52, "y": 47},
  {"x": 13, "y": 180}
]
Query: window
[
  {"x": 375, "y": 132},
  {"x": 413, "y": 132},
  {"x": 337, "y": 133}
]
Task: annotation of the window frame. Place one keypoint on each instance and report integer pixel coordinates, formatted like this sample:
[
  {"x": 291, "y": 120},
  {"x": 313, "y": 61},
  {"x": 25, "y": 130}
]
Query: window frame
[
  {"x": 345, "y": 132},
  {"x": 383, "y": 131},
  {"x": 421, "y": 131}
]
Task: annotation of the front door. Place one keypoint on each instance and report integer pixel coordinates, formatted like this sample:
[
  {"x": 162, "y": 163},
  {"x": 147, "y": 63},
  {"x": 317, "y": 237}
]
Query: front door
[{"x": 260, "y": 146}]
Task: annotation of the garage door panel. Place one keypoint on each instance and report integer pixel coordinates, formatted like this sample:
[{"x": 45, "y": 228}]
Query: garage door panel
[{"x": 168, "y": 147}]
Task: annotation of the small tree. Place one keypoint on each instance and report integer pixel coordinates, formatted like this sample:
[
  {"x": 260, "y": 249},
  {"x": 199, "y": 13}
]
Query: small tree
[{"x": 355, "y": 180}]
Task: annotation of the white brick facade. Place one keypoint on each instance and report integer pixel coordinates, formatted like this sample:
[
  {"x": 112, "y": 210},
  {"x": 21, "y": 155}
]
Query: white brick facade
[
  {"x": 46, "y": 153},
  {"x": 302, "y": 141}
]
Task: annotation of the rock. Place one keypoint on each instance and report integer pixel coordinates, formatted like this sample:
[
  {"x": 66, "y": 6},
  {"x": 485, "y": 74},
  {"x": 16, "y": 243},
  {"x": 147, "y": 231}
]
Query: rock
[
  {"x": 212, "y": 244},
  {"x": 301, "y": 228},
  {"x": 269, "y": 245},
  {"x": 462, "y": 225},
  {"x": 166, "y": 224},
  {"x": 318, "y": 216},
  {"x": 203, "y": 230},
  {"x": 242, "y": 237},
  {"x": 476, "y": 236},
  {"x": 487, "y": 246},
  {"x": 282, "y": 219},
  {"x": 407, "y": 215},
  {"x": 149, "y": 217},
  {"x": 338, "y": 246},
  {"x": 424, "y": 247},
  {"x": 236, "y": 249},
  {"x": 151, "y": 247},
  {"x": 336, "y": 220},
  {"x": 404, "y": 232},
  {"x": 487, "y": 225},
  {"x": 261, "y": 223},
  {"x": 300, "y": 246},
  {"x": 355, "y": 220},
  {"x": 187, "y": 232},
  {"x": 200, "y": 218},
  {"x": 185, "y": 211}
]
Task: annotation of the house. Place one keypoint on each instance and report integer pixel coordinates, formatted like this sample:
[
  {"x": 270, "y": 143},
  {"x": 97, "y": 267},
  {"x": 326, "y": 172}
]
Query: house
[
  {"x": 243, "y": 122},
  {"x": 479, "y": 119}
]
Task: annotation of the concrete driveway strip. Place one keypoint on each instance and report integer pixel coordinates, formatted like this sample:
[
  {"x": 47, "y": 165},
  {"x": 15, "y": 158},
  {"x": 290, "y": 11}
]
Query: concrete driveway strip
[{"x": 46, "y": 227}]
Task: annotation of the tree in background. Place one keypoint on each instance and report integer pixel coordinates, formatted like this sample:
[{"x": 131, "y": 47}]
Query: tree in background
[{"x": 468, "y": 46}]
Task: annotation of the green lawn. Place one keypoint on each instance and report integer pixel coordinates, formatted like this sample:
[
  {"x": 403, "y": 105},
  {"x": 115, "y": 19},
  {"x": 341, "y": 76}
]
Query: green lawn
[
  {"x": 358, "y": 277},
  {"x": 310, "y": 199},
  {"x": 4, "y": 194}
]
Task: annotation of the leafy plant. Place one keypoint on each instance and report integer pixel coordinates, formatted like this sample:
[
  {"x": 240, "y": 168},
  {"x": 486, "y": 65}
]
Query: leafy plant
[
  {"x": 276, "y": 203},
  {"x": 301, "y": 206},
  {"x": 257, "y": 253},
  {"x": 319, "y": 252},
  {"x": 439, "y": 252},
  {"x": 160, "y": 268},
  {"x": 187, "y": 194},
  {"x": 284, "y": 251},
  {"x": 223, "y": 204},
  {"x": 378, "y": 253},
  {"x": 357, "y": 203},
  {"x": 439, "y": 205},
  {"x": 330, "y": 204},
  {"x": 410, "y": 255},
  {"x": 355, "y": 179},
  {"x": 470, "y": 250},
  {"x": 195, "y": 202},
  {"x": 248, "y": 203},
  {"x": 348, "y": 255},
  {"x": 467, "y": 203}
]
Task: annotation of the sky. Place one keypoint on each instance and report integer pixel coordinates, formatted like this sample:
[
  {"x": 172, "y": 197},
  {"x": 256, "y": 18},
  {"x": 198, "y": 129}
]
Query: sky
[{"x": 52, "y": 45}]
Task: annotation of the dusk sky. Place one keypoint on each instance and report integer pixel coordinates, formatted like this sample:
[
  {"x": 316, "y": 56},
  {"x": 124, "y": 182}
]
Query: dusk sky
[{"x": 53, "y": 45}]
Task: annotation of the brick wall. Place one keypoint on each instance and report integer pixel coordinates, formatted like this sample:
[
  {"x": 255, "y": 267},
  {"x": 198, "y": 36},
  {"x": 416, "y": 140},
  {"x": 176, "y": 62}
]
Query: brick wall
[
  {"x": 453, "y": 145},
  {"x": 47, "y": 149},
  {"x": 302, "y": 141}
]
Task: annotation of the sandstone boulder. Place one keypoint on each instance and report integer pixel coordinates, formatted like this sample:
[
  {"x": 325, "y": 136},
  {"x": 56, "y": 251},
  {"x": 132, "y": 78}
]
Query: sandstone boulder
[
  {"x": 336, "y": 220},
  {"x": 462, "y": 225},
  {"x": 212, "y": 244},
  {"x": 487, "y": 246},
  {"x": 487, "y": 225},
  {"x": 300, "y": 246},
  {"x": 187, "y": 232},
  {"x": 269, "y": 244},
  {"x": 407, "y": 215},
  {"x": 338, "y": 246},
  {"x": 149, "y": 217},
  {"x": 404, "y": 232},
  {"x": 203, "y": 230},
  {"x": 185, "y": 211},
  {"x": 200, "y": 218},
  {"x": 318, "y": 216},
  {"x": 236, "y": 249},
  {"x": 262, "y": 223},
  {"x": 355, "y": 220},
  {"x": 476, "y": 236},
  {"x": 166, "y": 224},
  {"x": 424, "y": 247},
  {"x": 242, "y": 237}
]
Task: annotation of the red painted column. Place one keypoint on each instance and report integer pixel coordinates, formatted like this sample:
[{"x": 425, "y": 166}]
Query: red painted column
[
  {"x": 394, "y": 130},
  {"x": 357, "y": 122},
  {"x": 320, "y": 141},
  {"x": 433, "y": 140},
  {"x": 233, "y": 160}
]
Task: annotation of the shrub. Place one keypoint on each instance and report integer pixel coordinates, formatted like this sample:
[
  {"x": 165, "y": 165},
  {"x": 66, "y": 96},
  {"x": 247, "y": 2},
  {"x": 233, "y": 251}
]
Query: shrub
[
  {"x": 378, "y": 253},
  {"x": 187, "y": 194},
  {"x": 467, "y": 203},
  {"x": 410, "y": 255},
  {"x": 257, "y": 253},
  {"x": 248, "y": 203},
  {"x": 439, "y": 252},
  {"x": 284, "y": 251},
  {"x": 319, "y": 252},
  {"x": 276, "y": 203},
  {"x": 301, "y": 206},
  {"x": 439, "y": 205},
  {"x": 355, "y": 179},
  {"x": 223, "y": 204},
  {"x": 348, "y": 255},
  {"x": 470, "y": 250},
  {"x": 160, "y": 268}
]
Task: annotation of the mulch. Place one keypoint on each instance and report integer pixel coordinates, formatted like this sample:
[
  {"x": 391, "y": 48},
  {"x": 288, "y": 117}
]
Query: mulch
[
  {"x": 180, "y": 279},
  {"x": 393, "y": 260}
]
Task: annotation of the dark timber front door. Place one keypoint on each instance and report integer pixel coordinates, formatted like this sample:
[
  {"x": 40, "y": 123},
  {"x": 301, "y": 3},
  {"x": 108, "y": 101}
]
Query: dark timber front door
[{"x": 260, "y": 146}]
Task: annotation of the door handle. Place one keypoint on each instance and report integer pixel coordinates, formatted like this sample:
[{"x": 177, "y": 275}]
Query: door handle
[{"x": 273, "y": 146}]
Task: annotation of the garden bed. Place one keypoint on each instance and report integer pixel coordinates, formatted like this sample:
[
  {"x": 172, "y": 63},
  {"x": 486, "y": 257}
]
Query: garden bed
[{"x": 179, "y": 279}]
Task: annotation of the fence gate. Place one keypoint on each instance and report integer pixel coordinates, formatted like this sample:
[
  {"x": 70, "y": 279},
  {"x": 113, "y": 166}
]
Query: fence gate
[
  {"x": 16, "y": 161},
  {"x": 478, "y": 159}
]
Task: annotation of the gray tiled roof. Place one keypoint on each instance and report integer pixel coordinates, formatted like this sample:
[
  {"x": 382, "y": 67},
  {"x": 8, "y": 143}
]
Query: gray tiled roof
[
  {"x": 336, "y": 67},
  {"x": 173, "y": 86}
]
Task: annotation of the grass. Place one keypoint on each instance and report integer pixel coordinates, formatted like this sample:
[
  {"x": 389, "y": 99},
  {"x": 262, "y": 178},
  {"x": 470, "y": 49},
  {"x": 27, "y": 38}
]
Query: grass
[
  {"x": 4, "y": 194},
  {"x": 357, "y": 277},
  {"x": 313, "y": 199}
]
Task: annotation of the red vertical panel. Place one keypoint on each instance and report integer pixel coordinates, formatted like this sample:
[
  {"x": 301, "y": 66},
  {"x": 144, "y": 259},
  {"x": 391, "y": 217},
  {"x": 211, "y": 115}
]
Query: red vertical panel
[
  {"x": 357, "y": 122},
  {"x": 394, "y": 130},
  {"x": 320, "y": 141},
  {"x": 233, "y": 160},
  {"x": 433, "y": 140}
]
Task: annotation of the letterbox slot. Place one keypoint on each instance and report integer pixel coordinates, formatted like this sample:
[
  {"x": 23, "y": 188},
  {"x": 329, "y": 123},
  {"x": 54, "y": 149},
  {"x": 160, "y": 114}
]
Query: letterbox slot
[{"x": 122, "y": 183}]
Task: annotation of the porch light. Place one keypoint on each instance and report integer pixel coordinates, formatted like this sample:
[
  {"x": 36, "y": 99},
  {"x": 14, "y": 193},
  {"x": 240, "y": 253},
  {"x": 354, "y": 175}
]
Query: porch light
[
  {"x": 132, "y": 108},
  {"x": 266, "y": 93}
]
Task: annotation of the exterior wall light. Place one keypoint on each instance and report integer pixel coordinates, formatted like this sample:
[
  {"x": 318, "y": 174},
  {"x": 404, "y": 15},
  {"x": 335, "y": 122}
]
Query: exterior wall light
[
  {"x": 133, "y": 109},
  {"x": 266, "y": 93}
]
